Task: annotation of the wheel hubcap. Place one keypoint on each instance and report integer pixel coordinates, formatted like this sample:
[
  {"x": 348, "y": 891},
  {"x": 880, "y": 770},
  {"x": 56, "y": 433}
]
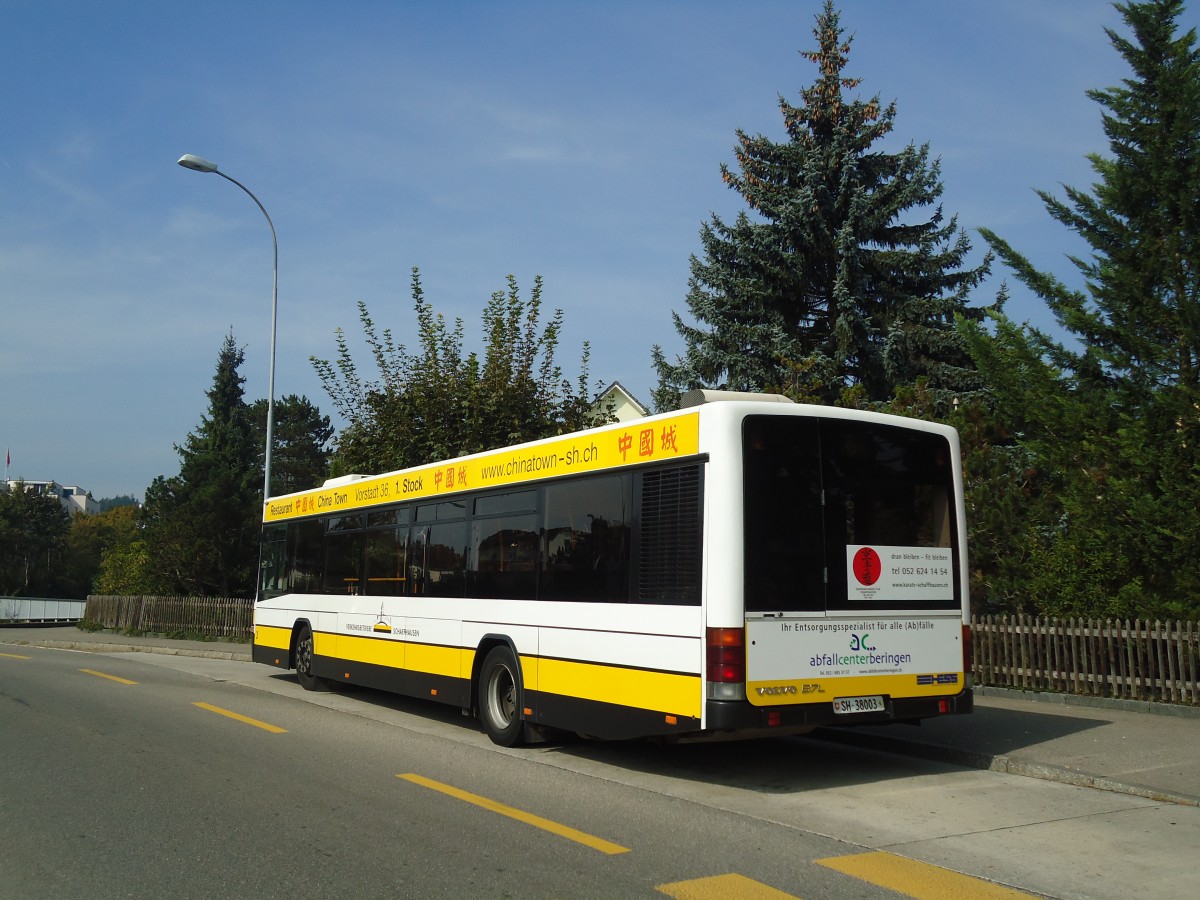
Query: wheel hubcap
[{"x": 502, "y": 697}]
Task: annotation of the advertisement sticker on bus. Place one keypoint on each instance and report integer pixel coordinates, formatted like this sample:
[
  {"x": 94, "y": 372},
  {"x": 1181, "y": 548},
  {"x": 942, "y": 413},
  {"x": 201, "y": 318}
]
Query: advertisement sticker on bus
[
  {"x": 626, "y": 444},
  {"x": 879, "y": 575},
  {"x": 794, "y": 660}
]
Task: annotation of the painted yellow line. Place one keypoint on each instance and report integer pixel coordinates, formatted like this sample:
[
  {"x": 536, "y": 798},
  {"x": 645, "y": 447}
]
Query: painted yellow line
[
  {"x": 116, "y": 678},
  {"x": 917, "y": 879},
  {"x": 721, "y": 887},
  {"x": 14, "y": 656},
  {"x": 265, "y": 726},
  {"x": 528, "y": 818}
]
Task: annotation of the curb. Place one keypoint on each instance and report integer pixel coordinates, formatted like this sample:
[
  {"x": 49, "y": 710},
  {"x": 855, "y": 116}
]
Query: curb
[
  {"x": 998, "y": 763},
  {"x": 97, "y": 647},
  {"x": 1150, "y": 707}
]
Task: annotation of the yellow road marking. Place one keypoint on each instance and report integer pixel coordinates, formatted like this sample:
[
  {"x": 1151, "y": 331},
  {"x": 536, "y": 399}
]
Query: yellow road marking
[
  {"x": 917, "y": 879},
  {"x": 528, "y": 818},
  {"x": 720, "y": 887},
  {"x": 116, "y": 678},
  {"x": 265, "y": 726},
  {"x": 14, "y": 656}
]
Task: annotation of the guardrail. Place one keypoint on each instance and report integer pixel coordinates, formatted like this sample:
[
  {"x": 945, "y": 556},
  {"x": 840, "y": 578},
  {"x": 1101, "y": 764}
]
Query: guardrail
[{"x": 39, "y": 610}]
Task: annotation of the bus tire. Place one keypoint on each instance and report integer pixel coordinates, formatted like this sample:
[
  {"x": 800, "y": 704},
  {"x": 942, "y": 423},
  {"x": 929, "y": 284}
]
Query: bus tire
[
  {"x": 500, "y": 698},
  {"x": 304, "y": 662}
]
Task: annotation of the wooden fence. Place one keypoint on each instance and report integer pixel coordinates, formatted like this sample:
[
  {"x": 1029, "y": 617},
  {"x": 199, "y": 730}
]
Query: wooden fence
[
  {"x": 1132, "y": 660},
  {"x": 214, "y": 617}
]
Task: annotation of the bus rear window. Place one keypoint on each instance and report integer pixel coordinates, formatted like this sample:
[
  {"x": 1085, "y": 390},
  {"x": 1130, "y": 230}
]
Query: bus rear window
[
  {"x": 819, "y": 489},
  {"x": 887, "y": 485}
]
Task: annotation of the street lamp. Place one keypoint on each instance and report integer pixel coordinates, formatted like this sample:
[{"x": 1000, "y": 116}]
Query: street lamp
[{"x": 188, "y": 161}]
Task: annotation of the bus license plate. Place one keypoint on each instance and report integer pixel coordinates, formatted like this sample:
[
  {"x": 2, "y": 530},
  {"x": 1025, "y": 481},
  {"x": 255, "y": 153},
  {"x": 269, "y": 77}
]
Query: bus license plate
[{"x": 843, "y": 705}]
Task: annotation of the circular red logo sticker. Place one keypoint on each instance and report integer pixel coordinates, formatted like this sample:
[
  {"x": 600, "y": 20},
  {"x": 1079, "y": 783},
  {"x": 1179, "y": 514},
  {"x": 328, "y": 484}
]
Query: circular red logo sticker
[{"x": 867, "y": 567}]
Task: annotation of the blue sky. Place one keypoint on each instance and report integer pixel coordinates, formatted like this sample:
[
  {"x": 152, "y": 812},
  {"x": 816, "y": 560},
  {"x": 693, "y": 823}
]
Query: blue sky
[{"x": 578, "y": 141}]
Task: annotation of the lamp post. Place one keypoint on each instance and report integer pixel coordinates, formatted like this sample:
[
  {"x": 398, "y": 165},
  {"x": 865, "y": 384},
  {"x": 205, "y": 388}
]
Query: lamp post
[{"x": 188, "y": 161}]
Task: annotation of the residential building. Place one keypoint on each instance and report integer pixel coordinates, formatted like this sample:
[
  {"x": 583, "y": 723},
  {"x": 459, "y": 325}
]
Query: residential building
[
  {"x": 72, "y": 498},
  {"x": 624, "y": 405}
]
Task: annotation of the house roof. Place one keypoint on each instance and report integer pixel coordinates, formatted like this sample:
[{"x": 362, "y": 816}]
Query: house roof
[{"x": 617, "y": 388}]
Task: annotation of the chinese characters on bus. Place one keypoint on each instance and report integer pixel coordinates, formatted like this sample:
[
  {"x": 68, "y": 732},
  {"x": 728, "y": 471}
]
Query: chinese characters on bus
[{"x": 648, "y": 442}]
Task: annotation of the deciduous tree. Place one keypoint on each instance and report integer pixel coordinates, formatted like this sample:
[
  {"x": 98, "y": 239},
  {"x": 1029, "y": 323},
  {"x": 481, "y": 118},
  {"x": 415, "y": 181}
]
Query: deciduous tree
[
  {"x": 440, "y": 401},
  {"x": 33, "y": 532}
]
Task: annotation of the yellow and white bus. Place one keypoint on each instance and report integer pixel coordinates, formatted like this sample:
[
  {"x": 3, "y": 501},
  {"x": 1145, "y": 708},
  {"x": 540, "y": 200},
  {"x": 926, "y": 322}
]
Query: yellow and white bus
[{"x": 740, "y": 567}]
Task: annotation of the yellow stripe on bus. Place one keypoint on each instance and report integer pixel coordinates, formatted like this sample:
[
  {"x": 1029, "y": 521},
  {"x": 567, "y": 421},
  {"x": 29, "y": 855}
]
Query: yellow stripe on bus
[
  {"x": 429, "y": 659},
  {"x": 636, "y": 688},
  {"x": 270, "y": 636},
  {"x": 368, "y": 650},
  {"x": 660, "y": 691},
  {"x": 452, "y": 662},
  {"x": 325, "y": 644}
]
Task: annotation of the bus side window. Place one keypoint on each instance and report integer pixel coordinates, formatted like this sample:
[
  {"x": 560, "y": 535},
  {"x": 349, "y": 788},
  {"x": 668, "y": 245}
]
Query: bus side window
[
  {"x": 306, "y": 556},
  {"x": 273, "y": 563},
  {"x": 587, "y": 539},
  {"x": 444, "y": 559},
  {"x": 504, "y": 556},
  {"x": 418, "y": 551},
  {"x": 386, "y": 571},
  {"x": 343, "y": 555}
]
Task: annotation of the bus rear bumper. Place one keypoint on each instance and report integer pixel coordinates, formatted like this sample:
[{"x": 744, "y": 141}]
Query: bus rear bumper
[{"x": 725, "y": 715}]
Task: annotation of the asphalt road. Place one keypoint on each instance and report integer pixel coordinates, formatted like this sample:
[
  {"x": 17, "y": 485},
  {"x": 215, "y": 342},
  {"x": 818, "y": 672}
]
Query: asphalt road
[
  {"x": 129, "y": 776},
  {"x": 116, "y": 783}
]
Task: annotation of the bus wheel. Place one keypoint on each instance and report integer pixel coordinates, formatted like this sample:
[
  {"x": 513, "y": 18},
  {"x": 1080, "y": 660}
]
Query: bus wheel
[
  {"x": 304, "y": 662},
  {"x": 500, "y": 698}
]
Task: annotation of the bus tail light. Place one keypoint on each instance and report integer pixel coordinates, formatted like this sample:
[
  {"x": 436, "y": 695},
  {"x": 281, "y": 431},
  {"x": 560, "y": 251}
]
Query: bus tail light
[{"x": 726, "y": 655}]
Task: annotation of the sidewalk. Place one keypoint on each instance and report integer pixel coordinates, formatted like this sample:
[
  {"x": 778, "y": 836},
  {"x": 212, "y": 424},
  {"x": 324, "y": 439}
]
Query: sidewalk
[{"x": 1146, "y": 750}]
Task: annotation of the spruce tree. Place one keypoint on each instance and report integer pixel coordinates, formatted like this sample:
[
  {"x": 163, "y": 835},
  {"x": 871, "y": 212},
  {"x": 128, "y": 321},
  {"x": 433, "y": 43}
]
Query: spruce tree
[
  {"x": 1109, "y": 421},
  {"x": 202, "y": 525},
  {"x": 1137, "y": 319},
  {"x": 300, "y": 457},
  {"x": 844, "y": 272}
]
